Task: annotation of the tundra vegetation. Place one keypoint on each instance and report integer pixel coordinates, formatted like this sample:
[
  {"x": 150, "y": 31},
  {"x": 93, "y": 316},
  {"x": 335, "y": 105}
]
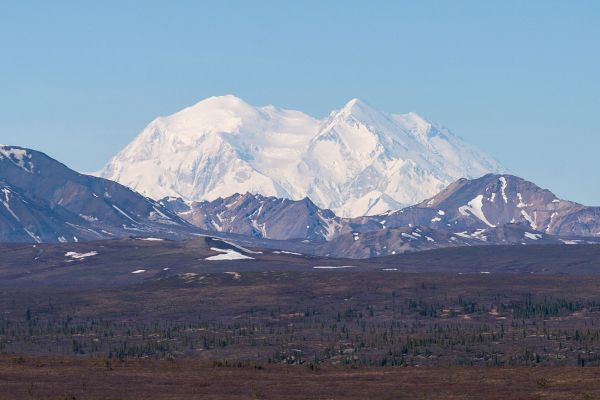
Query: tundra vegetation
[{"x": 217, "y": 331}]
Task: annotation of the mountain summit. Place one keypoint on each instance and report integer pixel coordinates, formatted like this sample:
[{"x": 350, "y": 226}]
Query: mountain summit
[{"x": 356, "y": 161}]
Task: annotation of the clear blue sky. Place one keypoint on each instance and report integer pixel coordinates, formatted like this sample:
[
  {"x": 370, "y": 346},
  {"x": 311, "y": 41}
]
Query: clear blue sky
[{"x": 521, "y": 79}]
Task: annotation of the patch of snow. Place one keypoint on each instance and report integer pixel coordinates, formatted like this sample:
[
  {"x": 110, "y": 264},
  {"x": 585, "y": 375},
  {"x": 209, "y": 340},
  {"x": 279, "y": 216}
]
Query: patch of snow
[
  {"x": 138, "y": 271},
  {"x": 152, "y": 239},
  {"x": 80, "y": 256},
  {"x": 33, "y": 235},
  {"x": 261, "y": 227},
  {"x": 236, "y": 275},
  {"x": 554, "y": 215},
  {"x": 88, "y": 218},
  {"x": 237, "y": 246},
  {"x": 503, "y": 184},
  {"x": 228, "y": 254},
  {"x": 6, "y": 203},
  {"x": 521, "y": 203},
  {"x": 532, "y": 236},
  {"x": 478, "y": 234},
  {"x": 19, "y": 157},
  {"x": 333, "y": 266},
  {"x": 529, "y": 219},
  {"x": 475, "y": 208},
  {"x": 286, "y": 252},
  {"x": 565, "y": 241},
  {"x": 123, "y": 213},
  {"x": 160, "y": 213}
]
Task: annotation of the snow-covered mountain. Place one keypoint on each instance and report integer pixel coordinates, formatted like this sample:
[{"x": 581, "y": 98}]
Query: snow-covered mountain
[{"x": 356, "y": 161}]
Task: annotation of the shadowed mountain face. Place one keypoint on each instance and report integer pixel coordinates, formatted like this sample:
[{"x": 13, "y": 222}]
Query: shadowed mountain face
[{"x": 44, "y": 201}]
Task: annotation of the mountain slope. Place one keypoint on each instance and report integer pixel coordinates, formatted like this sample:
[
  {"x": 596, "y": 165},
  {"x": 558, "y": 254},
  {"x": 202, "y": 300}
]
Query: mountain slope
[
  {"x": 491, "y": 210},
  {"x": 495, "y": 200},
  {"x": 44, "y": 201},
  {"x": 357, "y": 161},
  {"x": 23, "y": 220},
  {"x": 260, "y": 216},
  {"x": 383, "y": 162},
  {"x": 390, "y": 241}
]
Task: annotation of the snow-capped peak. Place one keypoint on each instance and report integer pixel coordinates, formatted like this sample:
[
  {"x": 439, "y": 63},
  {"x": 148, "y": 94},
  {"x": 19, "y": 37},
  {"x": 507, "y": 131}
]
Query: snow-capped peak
[
  {"x": 358, "y": 160},
  {"x": 359, "y": 112},
  {"x": 356, "y": 107}
]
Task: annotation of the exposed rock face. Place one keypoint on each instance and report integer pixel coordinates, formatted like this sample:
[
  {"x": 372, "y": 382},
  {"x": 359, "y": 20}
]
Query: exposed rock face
[
  {"x": 260, "y": 216},
  {"x": 41, "y": 200},
  {"x": 390, "y": 241},
  {"x": 495, "y": 200},
  {"x": 493, "y": 209}
]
